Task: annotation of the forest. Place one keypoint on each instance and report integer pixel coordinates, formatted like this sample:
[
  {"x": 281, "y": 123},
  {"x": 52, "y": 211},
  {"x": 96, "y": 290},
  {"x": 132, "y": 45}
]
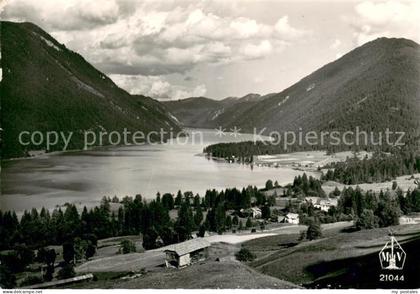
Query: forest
[{"x": 381, "y": 167}]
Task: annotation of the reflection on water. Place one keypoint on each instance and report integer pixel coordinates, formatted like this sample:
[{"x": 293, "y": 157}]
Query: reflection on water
[{"x": 85, "y": 177}]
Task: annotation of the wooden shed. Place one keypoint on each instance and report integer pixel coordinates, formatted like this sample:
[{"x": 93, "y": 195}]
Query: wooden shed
[{"x": 186, "y": 253}]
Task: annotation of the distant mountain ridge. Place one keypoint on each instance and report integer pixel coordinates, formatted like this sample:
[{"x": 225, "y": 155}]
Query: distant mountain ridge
[
  {"x": 48, "y": 87},
  {"x": 375, "y": 86},
  {"x": 203, "y": 112}
]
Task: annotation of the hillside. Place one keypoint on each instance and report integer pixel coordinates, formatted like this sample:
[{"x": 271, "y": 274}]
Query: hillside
[
  {"x": 47, "y": 87},
  {"x": 202, "y": 112},
  {"x": 374, "y": 87},
  {"x": 339, "y": 260},
  {"x": 196, "y": 112}
]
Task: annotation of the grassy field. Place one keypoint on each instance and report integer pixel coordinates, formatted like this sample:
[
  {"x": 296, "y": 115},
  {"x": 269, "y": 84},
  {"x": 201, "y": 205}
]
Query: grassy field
[
  {"x": 220, "y": 270},
  {"x": 206, "y": 275},
  {"x": 404, "y": 183},
  {"x": 339, "y": 259},
  {"x": 306, "y": 159}
]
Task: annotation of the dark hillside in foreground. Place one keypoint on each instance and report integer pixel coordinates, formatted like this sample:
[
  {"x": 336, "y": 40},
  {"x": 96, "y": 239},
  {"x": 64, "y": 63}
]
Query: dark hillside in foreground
[
  {"x": 47, "y": 87},
  {"x": 339, "y": 260}
]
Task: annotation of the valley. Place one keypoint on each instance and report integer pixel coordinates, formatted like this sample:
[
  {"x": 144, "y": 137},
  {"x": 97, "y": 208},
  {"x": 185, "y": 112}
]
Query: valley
[{"x": 308, "y": 216}]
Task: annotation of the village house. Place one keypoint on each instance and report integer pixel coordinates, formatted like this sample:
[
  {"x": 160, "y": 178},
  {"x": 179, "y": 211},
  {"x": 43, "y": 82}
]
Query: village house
[
  {"x": 256, "y": 212},
  {"x": 325, "y": 204},
  {"x": 410, "y": 219},
  {"x": 292, "y": 218},
  {"x": 186, "y": 253},
  {"x": 322, "y": 203},
  {"x": 253, "y": 212}
]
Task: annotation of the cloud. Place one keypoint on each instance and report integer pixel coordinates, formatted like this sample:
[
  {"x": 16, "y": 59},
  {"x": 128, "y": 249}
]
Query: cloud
[
  {"x": 155, "y": 37},
  {"x": 156, "y": 87},
  {"x": 286, "y": 31},
  {"x": 389, "y": 18},
  {"x": 62, "y": 14},
  {"x": 254, "y": 51},
  {"x": 335, "y": 44}
]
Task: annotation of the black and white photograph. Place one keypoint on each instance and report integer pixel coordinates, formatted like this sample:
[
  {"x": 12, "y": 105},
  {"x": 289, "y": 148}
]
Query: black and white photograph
[{"x": 209, "y": 144}]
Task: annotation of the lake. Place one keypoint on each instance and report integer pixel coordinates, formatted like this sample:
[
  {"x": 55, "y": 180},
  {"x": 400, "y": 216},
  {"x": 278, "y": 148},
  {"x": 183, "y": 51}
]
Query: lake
[{"x": 84, "y": 177}]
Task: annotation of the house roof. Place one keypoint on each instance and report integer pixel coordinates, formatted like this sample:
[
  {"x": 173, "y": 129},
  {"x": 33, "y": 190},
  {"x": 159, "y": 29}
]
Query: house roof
[
  {"x": 329, "y": 201},
  {"x": 188, "y": 246},
  {"x": 292, "y": 215}
]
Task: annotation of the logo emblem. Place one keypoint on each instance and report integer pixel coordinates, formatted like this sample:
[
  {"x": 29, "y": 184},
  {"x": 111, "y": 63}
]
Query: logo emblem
[{"x": 392, "y": 256}]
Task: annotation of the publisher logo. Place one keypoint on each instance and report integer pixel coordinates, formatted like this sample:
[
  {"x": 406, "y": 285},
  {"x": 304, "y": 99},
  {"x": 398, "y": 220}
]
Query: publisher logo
[{"x": 392, "y": 256}]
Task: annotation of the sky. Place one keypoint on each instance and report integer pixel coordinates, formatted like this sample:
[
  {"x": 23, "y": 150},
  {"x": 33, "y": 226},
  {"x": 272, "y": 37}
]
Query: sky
[{"x": 171, "y": 50}]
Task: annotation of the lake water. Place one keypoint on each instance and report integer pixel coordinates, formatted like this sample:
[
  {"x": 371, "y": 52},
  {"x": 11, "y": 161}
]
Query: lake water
[{"x": 84, "y": 177}]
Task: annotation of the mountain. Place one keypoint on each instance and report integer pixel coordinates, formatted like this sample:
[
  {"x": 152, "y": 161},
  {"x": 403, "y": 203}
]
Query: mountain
[
  {"x": 202, "y": 112},
  {"x": 375, "y": 86},
  {"x": 47, "y": 87},
  {"x": 195, "y": 111}
]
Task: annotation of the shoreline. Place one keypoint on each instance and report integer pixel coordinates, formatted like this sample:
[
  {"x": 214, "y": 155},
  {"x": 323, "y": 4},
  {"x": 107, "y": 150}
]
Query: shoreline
[{"x": 43, "y": 153}]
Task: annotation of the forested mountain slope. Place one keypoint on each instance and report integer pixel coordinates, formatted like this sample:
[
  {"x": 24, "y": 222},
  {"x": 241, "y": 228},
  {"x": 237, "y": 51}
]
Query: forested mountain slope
[
  {"x": 47, "y": 87},
  {"x": 375, "y": 86}
]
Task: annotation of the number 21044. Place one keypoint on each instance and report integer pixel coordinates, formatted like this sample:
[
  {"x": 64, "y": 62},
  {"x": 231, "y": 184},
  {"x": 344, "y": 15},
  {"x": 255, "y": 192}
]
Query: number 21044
[{"x": 391, "y": 278}]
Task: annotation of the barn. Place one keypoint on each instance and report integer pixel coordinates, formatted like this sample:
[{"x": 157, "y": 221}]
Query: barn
[{"x": 186, "y": 253}]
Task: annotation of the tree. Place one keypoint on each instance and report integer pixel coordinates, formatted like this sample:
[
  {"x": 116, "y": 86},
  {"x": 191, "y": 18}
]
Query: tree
[
  {"x": 196, "y": 202},
  {"x": 228, "y": 223},
  {"x": 201, "y": 231},
  {"x": 127, "y": 246},
  {"x": 90, "y": 250},
  {"x": 240, "y": 226},
  {"x": 149, "y": 239},
  {"x": 198, "y": 216},
  {"x": 335, "y": 193},
  {"x": 48, "y": 257},
  {"x": 265, "y": 212},
  {"x": 388, "y": 210},
  {"x": 178, "y": 199},
  {"x": 220, "y": 217},
  {"x": 314, "y": 231},
  {"x": 80, "y": 248},
  {"x": 367, "y": 220},
  {"x": 67, "y": 271},
  {"x": 245, "y": 255},
  {"x": 248, "y": 223},
  {"x": 185, "y": 218},
  {"x": 269, "y": 185},
  {"x": 25, "y": 255},
  {"x": 235, "y": 220},
  {"x": 168, "y": 201},
  {"x": 68, "y": 252}
]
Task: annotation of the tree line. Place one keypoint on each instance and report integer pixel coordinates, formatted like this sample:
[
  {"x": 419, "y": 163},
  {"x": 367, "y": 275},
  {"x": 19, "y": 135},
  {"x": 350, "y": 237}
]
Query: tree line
[{"x": 382, "y": 166}]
